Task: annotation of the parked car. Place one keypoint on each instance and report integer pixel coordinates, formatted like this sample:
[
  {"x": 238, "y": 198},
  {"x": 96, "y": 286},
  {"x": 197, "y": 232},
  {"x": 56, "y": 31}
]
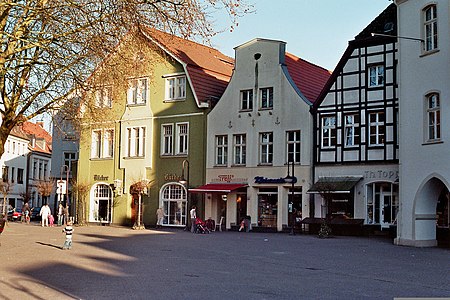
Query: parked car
[
  {"x": 15, "y": 214},
  {"x": 35, "y": 214}
]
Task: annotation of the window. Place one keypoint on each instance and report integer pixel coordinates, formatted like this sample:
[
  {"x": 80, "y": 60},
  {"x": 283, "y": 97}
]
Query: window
[
  {"x": 137, "y": 91},
  {"x": 221, "y": 150},
  {"x": 266, "y": 147},
  {"x": 183, "y": 138},
  {"x": 167, "y": 139},
  {"x": 434, "y": 117},
  {"x": 103, "y": 97},
  {"x": 108, "y": 150},
  {"x": 328, "y": 132},
  {"x": 239, "y": 149},
  {"x": 247, "y": 100},
  {"x": 351, "y": 130},
  {"x": 69, "y": 159},
  {"x": 376, "y": 76},
  {"x": 176, "y": 88},
  {"x": 135, "y": 142},
  {"x": 293, "y": 146},
  {"x": 19, "y": 175},
  {"x": 5, "y": 173},
  {"x": 12, "y": 174},
  {"x": 430, "y": 28},
  {"x": 266, "y": 96},
  {"x": 102, "y": 145},
  {"x": 376, "y": 129}
]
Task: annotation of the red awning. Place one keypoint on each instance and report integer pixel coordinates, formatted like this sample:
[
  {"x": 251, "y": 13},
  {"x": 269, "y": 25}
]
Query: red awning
[{"x": 218, "y": 188}]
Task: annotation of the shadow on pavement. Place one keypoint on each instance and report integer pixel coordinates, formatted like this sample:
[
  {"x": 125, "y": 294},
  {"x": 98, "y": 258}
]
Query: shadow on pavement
[{"x": 50, "y": 245}]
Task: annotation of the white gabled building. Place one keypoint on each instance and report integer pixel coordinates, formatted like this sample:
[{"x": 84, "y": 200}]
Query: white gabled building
[
  {"x": 424, "y": 76},
  {"x": 261, "y": 123},
  {"x": 14, "y": 168}
]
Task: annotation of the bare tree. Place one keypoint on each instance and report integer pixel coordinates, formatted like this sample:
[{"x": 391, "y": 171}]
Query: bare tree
[
  {"x": 44, "y": 188},
  {"x": 5, "y": 189},
  {"x": 137, "y": 189},
  {"x": 80, "y": 190},
  {"x": 48, "y": 49}
]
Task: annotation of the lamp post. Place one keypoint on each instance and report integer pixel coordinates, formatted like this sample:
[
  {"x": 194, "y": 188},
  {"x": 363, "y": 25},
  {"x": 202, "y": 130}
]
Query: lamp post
[
  {"x": 292, "y": 180},
  {"x": 185, "y": 181}
]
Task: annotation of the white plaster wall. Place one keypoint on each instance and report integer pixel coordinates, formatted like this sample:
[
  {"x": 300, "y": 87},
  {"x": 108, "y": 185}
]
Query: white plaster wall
[
  {"x": 290, "y": 112},
  {"x": 420, "y": 74}
]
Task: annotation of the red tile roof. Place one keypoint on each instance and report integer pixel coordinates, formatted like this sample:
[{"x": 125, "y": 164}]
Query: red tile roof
[
  {"x": 308, "y": 77},
  {"x": 40, "y": 133},
  {"x": 208, "y": 69}
]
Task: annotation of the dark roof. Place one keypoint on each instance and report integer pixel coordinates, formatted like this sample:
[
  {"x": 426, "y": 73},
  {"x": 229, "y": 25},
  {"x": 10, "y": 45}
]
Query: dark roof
[
  {"x": 309, "y": 78},
  {"x": 386, "y": 20},
  {"x": 209, "y": 70}
]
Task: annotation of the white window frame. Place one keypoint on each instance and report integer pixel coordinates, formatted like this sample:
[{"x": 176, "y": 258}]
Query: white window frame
[
  {"x": 376, "y": 75},
  {"x": 265, "y": 148},
  {"x": 138, "y": 91},
  {"x": 101, "y": 140},
  {"x": 221, "y": 150},
  {"x": 182, "y": 137},
  {"x": 328, "y": 131},
  {"x": 246, "y": 99},
  {"x": 377, "y": 128},
  {"x": 69, "y": 157},
  {"x": 433, "y": 112},
  {"x": 103, "y": 97},
  {"x": 430, "y": 30},
  {"x": 351, "y": 130},
  {"x": 167, "y": 137},
  {"x": 239, "y": 149},
  {"x": 135, "y": 140},
  {"x": 268, "y": 94},
  {"x": 176, "y": 88},
  {"x": 293, "y": 146}
]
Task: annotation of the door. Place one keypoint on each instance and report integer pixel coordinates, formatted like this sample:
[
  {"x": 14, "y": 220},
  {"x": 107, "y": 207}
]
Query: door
[{"x": 241, "y": 207}]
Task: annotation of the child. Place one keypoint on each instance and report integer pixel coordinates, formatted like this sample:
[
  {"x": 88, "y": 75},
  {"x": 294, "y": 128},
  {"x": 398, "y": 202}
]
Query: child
[
  {"x": 51, "y": 220},
  {"x": 68, "y": 230}
]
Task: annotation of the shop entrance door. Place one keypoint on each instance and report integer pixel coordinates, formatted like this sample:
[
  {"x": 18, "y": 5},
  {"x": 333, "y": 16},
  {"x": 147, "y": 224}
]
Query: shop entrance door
[
  {"x": 385, "y": 210},
  {"x": 241, "y": 207}
]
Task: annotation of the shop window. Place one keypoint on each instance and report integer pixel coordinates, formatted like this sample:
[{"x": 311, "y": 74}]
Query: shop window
[
  {"x": 267, "y": 207},
  {"x": 174, "y": 199}
]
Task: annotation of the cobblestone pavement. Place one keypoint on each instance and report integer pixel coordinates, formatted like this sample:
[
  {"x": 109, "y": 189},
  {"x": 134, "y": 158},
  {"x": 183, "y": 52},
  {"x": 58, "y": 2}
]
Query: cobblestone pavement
[{"x": 117, "y": 262}]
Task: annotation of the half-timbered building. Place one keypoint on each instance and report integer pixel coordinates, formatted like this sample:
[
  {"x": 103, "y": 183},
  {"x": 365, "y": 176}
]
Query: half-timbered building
[{"x": 355, "y": 130}]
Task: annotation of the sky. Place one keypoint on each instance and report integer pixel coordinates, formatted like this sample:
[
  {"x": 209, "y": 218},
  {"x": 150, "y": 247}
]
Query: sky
[{"x": 315, "y": 30}]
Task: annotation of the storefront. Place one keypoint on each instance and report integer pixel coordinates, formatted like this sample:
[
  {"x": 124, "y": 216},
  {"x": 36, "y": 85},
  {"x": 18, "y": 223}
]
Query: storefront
[{"x": 173, "y": 196}]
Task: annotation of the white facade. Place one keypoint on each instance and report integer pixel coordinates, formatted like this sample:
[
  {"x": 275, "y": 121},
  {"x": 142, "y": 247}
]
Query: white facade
[
  {"x": 248, "y": 141},
  {"x": 14, "y": 169},
  {"x": 424, "y": 116}
]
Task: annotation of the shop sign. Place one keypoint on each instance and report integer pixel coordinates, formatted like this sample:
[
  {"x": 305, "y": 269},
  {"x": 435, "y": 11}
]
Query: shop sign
[
  {"x": 260, "y": 179},
  {"x": 100, "y": 178},
  {"x": 228, "y": 178},
  {"x": 381, "y": 174},
  {"x": 172, "y": 177}
]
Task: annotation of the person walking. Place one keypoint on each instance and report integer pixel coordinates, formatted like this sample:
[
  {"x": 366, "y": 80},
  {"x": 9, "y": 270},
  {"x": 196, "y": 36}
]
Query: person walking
[
  {"x": 68, "y": 230},
  {"x": 45, "y": 213},
  {"x": 159, "y": 217},
  {"x": 193, "y": 214},
  {"x": 60, "y": 214},
  {"x": 26, "y": 213}
]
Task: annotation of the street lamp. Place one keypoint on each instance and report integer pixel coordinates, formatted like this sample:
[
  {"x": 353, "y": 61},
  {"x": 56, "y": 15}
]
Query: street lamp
[
  {"x": 185, "y": 181},
  {"x": 291, "y": 179}
]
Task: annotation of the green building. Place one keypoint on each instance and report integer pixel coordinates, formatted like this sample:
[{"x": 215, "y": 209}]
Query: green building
[{"x": 143, "y": 131}]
